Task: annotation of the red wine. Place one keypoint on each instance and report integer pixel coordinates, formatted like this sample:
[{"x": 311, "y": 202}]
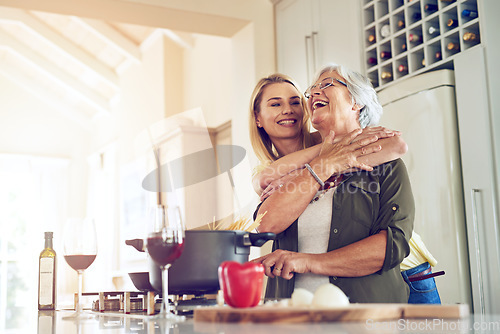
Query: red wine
[
  {"x": 165, "y": 251},
  {"x": 79, "y": 262}
]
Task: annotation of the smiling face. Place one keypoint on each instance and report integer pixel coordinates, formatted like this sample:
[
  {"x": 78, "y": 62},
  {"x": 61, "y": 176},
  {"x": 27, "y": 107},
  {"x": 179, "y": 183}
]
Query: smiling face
[
  {"x": 281, "y": 115},
  {"x": 332, "y": 107}
]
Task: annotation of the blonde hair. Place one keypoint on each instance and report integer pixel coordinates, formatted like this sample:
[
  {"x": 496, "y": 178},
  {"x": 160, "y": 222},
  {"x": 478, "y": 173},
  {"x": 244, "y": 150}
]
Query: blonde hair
[{"x": 261, "y": 143}]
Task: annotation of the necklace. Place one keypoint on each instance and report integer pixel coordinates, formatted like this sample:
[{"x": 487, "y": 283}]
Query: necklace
[{"x": 331, "y": 183}]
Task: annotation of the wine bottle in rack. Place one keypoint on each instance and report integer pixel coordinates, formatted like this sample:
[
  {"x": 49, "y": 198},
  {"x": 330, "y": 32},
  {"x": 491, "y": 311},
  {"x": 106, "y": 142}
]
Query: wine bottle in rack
[
  {"x": 403, "y": 47},
  {"x": 372, "y": 61},
  {"x": 433, "y": 30},
  {"x": 414, "y": 38},
  {"x": 402, "y": 68},
  {"x": 430, "y": 7},
  {"x": 452, "y": 23},
  {"x": 385, "y": 31},
  {"x": 385, "y": 54},
  {"x": 453, "y": 46},
  {"x": 47, "y": 275},
  {"x": 469, "y": 37},
  {"x": 472, "y": 14},
  {"x": 438, "y": 55},
  {"x": 386, "y": 75},
  {"x": 423, "y": 61},
  {"x": 416, "y": 16},
  {"x": 371, "y": 39},
  {"x": 401, "y": 24}
]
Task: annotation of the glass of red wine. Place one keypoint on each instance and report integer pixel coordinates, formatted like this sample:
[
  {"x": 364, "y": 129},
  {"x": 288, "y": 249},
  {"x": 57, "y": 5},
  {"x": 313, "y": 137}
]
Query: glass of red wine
[
  {"x": 80, "y": 250},
  {"x": 165, "y": 244}
]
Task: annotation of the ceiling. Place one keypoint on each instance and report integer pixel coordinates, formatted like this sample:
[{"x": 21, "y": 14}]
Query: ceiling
[
  {"x": 70, "y": 53},
  {"x": 71, "y": 63}
]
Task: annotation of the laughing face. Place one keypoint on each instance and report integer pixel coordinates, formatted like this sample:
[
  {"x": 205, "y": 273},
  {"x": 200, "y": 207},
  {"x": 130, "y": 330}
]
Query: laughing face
[
  {"x": 280, "y": 113},
  {"x": 332, "y": 107}
]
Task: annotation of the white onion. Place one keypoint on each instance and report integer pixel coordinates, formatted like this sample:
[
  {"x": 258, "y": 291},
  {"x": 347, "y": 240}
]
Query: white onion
[
  {"x": 301, "y": 297},
  {"x": 329, "y": 295}
]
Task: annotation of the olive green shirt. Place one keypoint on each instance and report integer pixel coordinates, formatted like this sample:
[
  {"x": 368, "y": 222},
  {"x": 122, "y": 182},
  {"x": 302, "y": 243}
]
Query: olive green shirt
[{"x": 364, "y": 204}]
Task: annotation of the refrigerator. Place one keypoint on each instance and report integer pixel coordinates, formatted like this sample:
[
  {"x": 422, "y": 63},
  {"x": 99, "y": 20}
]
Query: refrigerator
[{"x": 423, "y": 107}]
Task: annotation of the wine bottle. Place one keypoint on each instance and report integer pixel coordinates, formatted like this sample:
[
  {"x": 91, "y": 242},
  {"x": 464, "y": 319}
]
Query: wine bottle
[
  {"x": 401, "y": 24},
  {"x": 371, "y": 38},
  {"x": 47, "y": 276},
  {"x": 438, "y": 55},
  {"x": 423, "y": 61},
  {"x": 403, "y": 47},
  {"x": 385, "y": 54},
  {"x": 372, "y": 61},
  {"x": 414, "y": 38},
  {"x": 430, "y": 7},
  {"x": 385, "y": 31},
  {"x": 416, "y": 16},
  {"x": 386, "y": 75},
  {"x": 402, "y": 68},
  {"x": 453, "y": 46},
  {"x": 452, "y": 23},
  {"x": 469, "y": 13},
  {"x": 469, "y": 37},
  {"x": 433, "y": 30}
]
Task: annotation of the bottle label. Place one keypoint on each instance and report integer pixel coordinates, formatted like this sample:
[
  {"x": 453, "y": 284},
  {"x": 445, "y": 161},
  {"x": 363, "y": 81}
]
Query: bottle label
[{"x": 46, "y": 281}]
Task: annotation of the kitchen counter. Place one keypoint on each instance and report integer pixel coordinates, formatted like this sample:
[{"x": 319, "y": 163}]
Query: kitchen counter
[{"x": 52, "y": 322}]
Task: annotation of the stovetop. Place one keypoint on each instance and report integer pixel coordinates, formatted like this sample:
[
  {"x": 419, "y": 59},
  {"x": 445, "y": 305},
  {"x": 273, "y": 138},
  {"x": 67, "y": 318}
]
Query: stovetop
[{"x": 145, "y": 303}]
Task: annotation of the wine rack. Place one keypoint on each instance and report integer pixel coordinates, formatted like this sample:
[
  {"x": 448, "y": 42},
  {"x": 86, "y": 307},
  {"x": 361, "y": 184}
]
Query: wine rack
[{"x": 406, "y": 37}]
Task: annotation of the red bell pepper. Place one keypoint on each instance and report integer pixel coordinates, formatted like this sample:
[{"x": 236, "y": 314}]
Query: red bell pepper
[{"x": 241, "y": 283}]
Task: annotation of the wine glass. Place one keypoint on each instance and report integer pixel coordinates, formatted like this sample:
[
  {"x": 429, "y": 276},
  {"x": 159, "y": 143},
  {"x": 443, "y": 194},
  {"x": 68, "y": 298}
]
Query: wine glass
[
  {"x": 80, "y": 249},
  {"x": 165, "y": 244}
]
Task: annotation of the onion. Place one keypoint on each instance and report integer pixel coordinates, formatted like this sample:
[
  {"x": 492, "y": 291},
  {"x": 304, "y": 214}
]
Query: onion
[
  {"x": 301, "y": 297},
  {"x": 329, "y": 295}
]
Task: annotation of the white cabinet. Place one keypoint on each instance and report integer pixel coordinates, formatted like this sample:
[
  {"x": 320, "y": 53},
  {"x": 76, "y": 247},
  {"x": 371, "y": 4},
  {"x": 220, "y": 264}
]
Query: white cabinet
[
  {"x": 295, "y": 39},
  {"x": 478, "y": 167},
  {"x": 311, "y": 33}
]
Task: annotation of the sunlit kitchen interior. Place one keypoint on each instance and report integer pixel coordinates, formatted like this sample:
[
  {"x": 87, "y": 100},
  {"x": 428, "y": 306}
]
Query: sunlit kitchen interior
[{"x": 89, "y": 89}]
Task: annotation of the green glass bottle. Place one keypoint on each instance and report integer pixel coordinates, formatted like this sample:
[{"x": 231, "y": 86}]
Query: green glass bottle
[{"x": 47, "y": 276}]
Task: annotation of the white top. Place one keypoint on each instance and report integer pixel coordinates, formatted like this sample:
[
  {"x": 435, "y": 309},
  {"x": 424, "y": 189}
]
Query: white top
[{"x": 314, "y": 231}]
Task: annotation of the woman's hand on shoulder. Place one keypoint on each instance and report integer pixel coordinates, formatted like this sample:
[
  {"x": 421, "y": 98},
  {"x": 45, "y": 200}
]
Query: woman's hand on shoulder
[
  {"x": 341, "y": 156},
  {"x": 379, "y": 131}
]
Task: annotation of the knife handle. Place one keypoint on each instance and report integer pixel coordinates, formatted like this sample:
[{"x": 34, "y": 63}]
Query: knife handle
[{"x": 419, "y": 278}]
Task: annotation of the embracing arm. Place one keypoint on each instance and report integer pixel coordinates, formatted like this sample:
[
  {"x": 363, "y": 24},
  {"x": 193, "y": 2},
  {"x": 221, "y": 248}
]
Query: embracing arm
[
  {"x": 283, "y": 167},
  {"x": 392, "y": 144},
  {"x": 288, "y": 202},
  {"x": 392, "y": 148}
]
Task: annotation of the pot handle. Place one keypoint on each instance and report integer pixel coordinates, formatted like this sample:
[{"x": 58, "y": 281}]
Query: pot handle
[
  {"x": 136, "y": 243},
  {"x": 258, "y": 239}
]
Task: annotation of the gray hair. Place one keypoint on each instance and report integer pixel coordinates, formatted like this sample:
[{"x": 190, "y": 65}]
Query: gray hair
[{"x": 362, "y": 93}]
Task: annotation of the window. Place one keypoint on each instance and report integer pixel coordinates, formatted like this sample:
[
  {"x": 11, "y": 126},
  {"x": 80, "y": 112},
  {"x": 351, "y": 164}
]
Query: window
[{"x": 32, "y": 200}]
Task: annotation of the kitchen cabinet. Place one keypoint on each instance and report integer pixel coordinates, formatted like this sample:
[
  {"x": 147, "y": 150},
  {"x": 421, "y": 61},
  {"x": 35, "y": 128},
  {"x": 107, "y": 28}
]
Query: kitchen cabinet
[
  {"x": 480, "y": 193},
  {"x": 312, "y": 33},
  {"x": 416, "y": 35}
]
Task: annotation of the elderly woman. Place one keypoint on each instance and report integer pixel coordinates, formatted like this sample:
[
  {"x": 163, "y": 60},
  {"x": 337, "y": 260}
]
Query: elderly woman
[{"x": 349, "y": 229}]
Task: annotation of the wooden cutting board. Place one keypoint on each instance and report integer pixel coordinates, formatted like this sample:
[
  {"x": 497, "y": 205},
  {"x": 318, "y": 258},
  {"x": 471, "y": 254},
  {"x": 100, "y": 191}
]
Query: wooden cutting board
[{"x": 353, "y": 312}]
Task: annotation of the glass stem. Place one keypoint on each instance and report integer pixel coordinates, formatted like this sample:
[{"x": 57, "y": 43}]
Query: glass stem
[
  {"x": 165, "y": 305},
  {"x": 80, "y": 288}
]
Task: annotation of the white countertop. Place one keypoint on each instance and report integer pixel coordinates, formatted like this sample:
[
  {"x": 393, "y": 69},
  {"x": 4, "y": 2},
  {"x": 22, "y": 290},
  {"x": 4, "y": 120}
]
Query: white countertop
[{"x": 53, "y": 323}]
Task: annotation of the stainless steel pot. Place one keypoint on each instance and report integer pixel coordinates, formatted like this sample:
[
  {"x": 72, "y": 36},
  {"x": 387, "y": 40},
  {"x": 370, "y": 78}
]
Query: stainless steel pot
[{"x": 196, "y": 270}]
